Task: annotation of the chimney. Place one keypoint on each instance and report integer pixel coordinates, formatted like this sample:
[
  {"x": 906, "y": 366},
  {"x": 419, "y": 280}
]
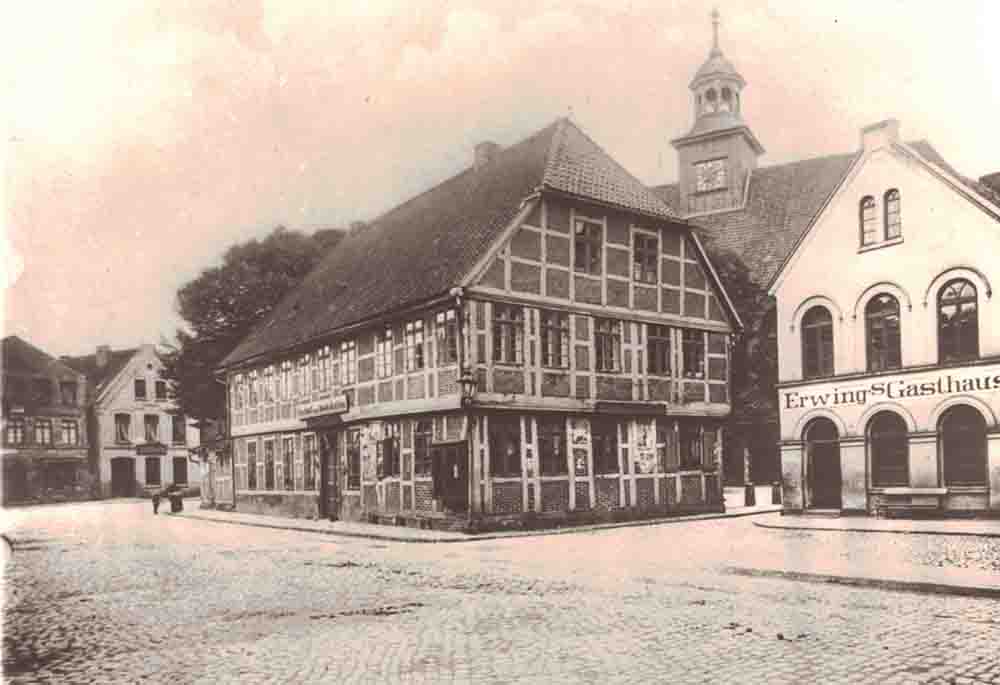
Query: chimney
[
  {"x": 103, "y": 352},
  {"x": 882, "y": 134},
  {"x": 484, "y": 154}
]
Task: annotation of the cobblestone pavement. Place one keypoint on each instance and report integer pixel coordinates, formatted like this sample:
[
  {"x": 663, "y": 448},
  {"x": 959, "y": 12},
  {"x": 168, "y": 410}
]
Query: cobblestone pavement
[{"x": 106, "y": 592}]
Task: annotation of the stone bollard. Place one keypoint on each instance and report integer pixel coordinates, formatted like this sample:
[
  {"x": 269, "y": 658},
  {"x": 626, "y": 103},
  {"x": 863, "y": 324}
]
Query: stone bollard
[
  {"x": 776, "y": 492},
  {"x": 749, "y": 496}
]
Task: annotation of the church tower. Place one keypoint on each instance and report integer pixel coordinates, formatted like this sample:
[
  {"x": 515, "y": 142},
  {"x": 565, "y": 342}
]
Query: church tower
[{"x": 715, "y": 157}]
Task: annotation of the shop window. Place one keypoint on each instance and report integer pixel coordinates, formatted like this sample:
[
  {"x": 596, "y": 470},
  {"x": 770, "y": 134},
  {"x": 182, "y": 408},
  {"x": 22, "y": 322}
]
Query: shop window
[
  {"x": 882, "y": 327},
  {"x": 693, "y": 353},
  {"x": 691, "y": 445},
  {"x": 658, "y": 350},
  {"x": 423, "y": 434},
  {"x": 288, "y": 462},
  {"x": 67, "y": 392},
  {"x": 139, "y": 388},
  {"x": 354, "y": 459},
  {"x": 505, "y": 446},
  {"x": 383, "y": 353},
  {"x": 887, "y": 444},
  {"x": 414, "y": 338},
  {"x": 958, "y": 322},
  {"x": 387, "y": 459},
  {"x": 252, "y": 465},
  {"x": 160, "y": 388},
  {"x": 587, "y": 240},
  {"x": 309, "y": 462},
  {"x": 153, "y": 475},
  {"x": 645, "y": 256},
  {"x": 178, "y": 429},
  {"x": 151, "y": 426},
  {"x": 604, "y": 441},
  {"x": 552, "y": 446},
  {"x": 893, "y": 217},
  {"x": 348, "y": 363},
  {"x": 555, "y": 339},
  {"x": 817, "y": 343},
  {"x": 14, "y": 431},
  {"x": 180, "y": 471},
  {"x": 43, "y": 431},
  {"x": 70, "y": 432},
  {"x": 962, "y": 448},
  {"x": 868, "y": 221},
  {"x": 508, "y": 334},
  {"x": 608, "y": 344},
  {"x": 269, "y": 464},
  {"x": 446, "y": 330}
]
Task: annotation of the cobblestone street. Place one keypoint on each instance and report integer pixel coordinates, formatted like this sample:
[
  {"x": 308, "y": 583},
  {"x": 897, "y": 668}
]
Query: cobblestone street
[{"x": 106, "y": 592}]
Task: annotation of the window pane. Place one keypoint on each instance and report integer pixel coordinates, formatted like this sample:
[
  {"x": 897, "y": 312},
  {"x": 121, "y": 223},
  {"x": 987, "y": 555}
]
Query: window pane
[
  {"x": 887, "y": 437},
  {"x": 963, "y": 447}
]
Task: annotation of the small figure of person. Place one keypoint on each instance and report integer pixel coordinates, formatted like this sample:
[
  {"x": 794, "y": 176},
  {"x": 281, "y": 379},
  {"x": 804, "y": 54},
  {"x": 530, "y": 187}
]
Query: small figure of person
[{"x": 156, "y": 502}]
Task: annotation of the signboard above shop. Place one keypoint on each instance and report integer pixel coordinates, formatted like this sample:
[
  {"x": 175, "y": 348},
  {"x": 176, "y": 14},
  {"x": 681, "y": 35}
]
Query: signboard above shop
[{"x": 325, "y": 405}]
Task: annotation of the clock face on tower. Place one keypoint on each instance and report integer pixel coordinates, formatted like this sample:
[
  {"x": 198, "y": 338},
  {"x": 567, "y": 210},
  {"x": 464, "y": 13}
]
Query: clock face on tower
[{"x": 710, "y": 175}]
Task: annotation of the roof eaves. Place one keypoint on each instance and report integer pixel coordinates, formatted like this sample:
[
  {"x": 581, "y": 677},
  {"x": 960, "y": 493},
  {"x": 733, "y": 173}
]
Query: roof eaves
[
  {"x": 718, "y": 282},
  {"x": 946, "y": 175}
]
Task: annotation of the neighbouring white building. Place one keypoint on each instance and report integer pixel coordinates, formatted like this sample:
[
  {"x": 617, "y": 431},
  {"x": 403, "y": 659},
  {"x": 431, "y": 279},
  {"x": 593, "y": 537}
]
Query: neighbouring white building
[
  {"x": 889, "y": 340},
  {"x": 138, "y": 441}
]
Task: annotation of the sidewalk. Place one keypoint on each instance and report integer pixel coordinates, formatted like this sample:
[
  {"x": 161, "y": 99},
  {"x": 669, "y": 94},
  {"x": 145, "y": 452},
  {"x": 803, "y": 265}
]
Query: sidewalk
[
  {"x": 985, "y": 528},
  {"x": 405, "y": 534}
]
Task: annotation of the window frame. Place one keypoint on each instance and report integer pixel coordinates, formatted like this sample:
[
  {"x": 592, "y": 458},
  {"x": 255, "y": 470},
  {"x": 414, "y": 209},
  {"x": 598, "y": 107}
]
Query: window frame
[
  {"x": 353, "y": 456},
  {"x": 508, "y": 334},
  {"x": 867, "y": 221},
  {"x": 446, "y": 334},
  {"x": 645, "y": 258},
  {"x": 888, "y": 446},
  {"x": 72, "y": 427},
  {"x": 690, "y": 445},
  {"x": 138, "y": 383},
  {"x": 146, "y": 423},
  {"x": 383, "y": 353},
  {"x": 159, "y": 385},
  {"x": 348, "y": 363},
  {"x": 158, "y": 470},
  {"x": 694, "y": 353},
  {"x": 270, "y": 470},
  {"x": 423, "y": 437},
  {"x": 251, "y": 454},
  {"x": 554, "y": 334},
  {"x": 814, "y": 338},
  {"x": 966, "y": 443},
  {"x": 659, "y": 349},
  {"x": 504, "y": 432},
  {"x": 309, "y": 445},
  {"x": 15, "y": 430},
  {"x": 883, "y": 347},
  {"x": 892, "y": 216},
  {"x": 65, "y": 388},
  {"x": 607, "y": 345},
  {"x": 552, "y": 448},
  {"x": 413, "y": 339},
  {"x": 588, "y": 243},
  {"x": 127, "y": 440},
  {"x": 605, "y": 445},
  {"x": 962, "y": 340},
  {"x": 288, "y": 462}
]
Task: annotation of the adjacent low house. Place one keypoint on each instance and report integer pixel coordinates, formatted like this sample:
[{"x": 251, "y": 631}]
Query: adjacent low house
[
  {"x": 45, "y": 455},
  {"x": 538, "y": 337}
]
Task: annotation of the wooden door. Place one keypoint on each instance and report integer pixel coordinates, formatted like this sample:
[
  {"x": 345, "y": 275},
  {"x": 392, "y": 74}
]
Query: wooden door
[
  {"x": 329, "y": 492},
  {"x": 451, "y": 476}
]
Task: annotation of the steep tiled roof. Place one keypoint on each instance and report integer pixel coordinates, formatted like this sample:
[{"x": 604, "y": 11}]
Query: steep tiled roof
[
  {"x": 100, "y": 376},
  {"x": 423, "y": 247},
  {"x": 20, "y": 356},
  {"x": 782, "y": 201}
]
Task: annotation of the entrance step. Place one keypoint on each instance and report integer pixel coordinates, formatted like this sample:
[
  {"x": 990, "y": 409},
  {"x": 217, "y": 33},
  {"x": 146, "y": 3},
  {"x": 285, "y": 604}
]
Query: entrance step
[{"x": 822, "y": 513}]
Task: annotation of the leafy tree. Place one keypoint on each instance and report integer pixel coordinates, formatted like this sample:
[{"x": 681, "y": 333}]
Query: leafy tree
[{"x": 223, "y": 303}]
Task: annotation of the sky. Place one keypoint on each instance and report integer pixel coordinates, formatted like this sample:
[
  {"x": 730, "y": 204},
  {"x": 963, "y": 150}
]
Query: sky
[{"x": 143, "y": 138}]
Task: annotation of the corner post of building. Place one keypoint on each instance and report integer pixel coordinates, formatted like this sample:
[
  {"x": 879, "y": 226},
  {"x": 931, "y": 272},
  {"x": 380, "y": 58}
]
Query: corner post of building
[
  {"x": 993, "y": 468},
  {"x": 853, "y": 475},
  {"x": 792, "y": 472}
]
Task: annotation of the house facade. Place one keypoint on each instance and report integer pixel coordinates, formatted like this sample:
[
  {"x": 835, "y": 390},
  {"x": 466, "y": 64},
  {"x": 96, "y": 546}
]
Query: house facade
[
  {"x": 538, "y": 337},
  {"x": 889, "y": 337},
  {"x": 138, "y": 441},
  {"x": 45, "y": 436}
]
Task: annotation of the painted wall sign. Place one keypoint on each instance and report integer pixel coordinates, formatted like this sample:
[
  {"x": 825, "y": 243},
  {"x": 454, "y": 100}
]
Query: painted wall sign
[
  {"x": 151, "y": 449},
  {"x": 332, "y": 404},
  {"x": 880, "y": 389}
]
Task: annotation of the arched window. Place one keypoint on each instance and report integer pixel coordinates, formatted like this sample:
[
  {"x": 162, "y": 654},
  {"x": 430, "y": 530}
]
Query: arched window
[
  {"x": 958, "y": 322},
  {"x": 962, "y": 446},
  {"x": 726, "y": 105},
  {"x": 893, "y": 218},
  {"x": 817, "y": 343},
  {"x": 867, "y": 220},
  {"x": 882, "y": 333},
  {"x": 710, "y": 100},
  {"x": 887, "y": 445}
]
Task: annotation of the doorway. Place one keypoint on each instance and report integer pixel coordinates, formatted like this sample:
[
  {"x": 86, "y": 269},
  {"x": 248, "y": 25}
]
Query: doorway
[
  {"x": 122, "y": 477},
  {"x": 823, "y": 475},
  {"x": 451, "y": 475},
  {"x": 329, "y": 500}
]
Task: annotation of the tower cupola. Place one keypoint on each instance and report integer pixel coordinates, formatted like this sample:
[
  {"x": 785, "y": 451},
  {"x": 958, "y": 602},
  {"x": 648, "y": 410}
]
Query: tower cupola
[{"x": 720, "y": 150}]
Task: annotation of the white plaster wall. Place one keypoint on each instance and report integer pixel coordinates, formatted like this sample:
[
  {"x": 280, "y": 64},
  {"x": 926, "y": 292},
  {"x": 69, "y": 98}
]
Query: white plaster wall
[{"x": 941, "y": 230}]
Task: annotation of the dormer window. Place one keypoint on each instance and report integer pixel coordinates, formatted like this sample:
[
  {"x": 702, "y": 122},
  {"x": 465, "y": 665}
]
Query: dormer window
[
  {"x": 709, "y": 175},
  {"x": 869, "y": 224},
  {"x": 893, "y": 219}
]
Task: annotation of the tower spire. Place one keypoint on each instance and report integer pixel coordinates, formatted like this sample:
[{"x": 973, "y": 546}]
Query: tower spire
[{"x": 715, "y": 30}]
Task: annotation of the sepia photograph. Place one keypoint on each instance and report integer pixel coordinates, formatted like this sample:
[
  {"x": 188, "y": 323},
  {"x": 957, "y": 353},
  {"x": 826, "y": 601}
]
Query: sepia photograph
[{"x": 456, "y": 341}]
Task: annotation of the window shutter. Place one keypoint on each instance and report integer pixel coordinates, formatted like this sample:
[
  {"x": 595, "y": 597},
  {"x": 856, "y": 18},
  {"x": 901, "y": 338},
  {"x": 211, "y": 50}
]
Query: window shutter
[{"x": 708, "y": 448}]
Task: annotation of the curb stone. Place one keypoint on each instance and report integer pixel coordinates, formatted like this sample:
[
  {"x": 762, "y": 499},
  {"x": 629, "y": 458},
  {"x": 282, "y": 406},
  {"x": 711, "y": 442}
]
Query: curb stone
[
  {"x": 485, "y": 536},
  {"x": 901, "y": 531},
  {"x": 920, "y": 586}
]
